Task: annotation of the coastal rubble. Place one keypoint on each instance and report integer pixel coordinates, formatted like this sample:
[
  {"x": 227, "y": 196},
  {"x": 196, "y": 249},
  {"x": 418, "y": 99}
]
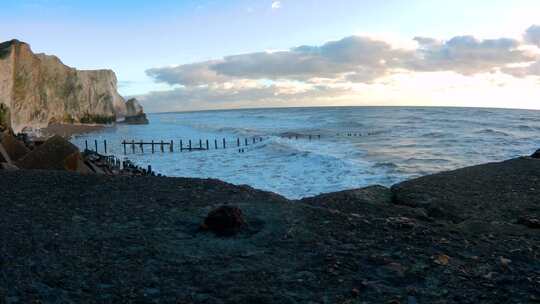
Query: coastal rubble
[{"x": 464, "y": 236}]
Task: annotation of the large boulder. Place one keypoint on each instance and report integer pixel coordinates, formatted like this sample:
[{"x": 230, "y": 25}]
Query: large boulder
[
  {"x": 15, "y": 148},
  {"x": 56, "y": 153}
]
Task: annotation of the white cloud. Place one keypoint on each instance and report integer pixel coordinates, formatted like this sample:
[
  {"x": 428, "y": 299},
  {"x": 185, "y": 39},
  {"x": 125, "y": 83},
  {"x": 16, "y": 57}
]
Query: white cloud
[
  {"x": 354, "y": 67},
  {"x": 276, "y": 5}
]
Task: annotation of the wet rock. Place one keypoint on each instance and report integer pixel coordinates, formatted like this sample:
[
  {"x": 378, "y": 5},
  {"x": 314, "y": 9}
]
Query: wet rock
[
  {"x": 55, "y": 154},
  {"x": 225, "y": 221},
  {"x": 536, "y": 154},
  {"x": 8, "y": 167},
  {"x": 14, "y": 148}
]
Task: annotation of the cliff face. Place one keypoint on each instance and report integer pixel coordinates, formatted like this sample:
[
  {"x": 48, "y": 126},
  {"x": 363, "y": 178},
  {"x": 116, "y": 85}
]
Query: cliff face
[{"x": 38, "y": 89}]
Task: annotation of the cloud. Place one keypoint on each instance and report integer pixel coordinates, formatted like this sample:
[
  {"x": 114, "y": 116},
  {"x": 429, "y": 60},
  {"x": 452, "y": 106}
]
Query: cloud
[
  {"x": 353, "y": 57},
  {"x": 312, "y": 72},
  {"x": 467, "y": 55},
  {"x": 276, "y": 5},
  {"x": 532, "y": 35},
  {"x": 239, "y": 95}
]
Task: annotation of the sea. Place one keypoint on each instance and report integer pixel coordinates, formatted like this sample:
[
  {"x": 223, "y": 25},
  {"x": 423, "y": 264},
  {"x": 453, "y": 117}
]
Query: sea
[{"x": 300, "y": 152}]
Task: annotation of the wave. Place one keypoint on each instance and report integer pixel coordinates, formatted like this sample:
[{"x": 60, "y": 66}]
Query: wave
[{"x": 492, "y": 132}]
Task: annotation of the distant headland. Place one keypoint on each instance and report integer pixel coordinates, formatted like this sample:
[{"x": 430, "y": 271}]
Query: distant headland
[{"x": 38, "y": 90}]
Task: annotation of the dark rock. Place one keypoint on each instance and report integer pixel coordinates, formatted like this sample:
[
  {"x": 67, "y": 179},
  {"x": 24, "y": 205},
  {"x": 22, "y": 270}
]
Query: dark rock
[
  {"x": 536, "y": 154},
  {"x": 225, "y": 220},
  {"x": 529, "y": 221},
  {"x": 15, "y": 149},
  {"x": 8, "y": 167},
  {"x": 136, "y": 120},
  {"x": 56, "y": 153}
]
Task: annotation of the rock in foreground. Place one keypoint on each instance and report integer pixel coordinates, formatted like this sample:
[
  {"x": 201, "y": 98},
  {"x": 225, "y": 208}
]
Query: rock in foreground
[{"x": 67, "y": 237}]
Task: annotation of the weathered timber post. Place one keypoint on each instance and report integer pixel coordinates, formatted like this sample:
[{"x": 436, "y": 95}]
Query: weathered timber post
[
  {"x": 141, "y": 146},
  {"x": 105, "y": 145},
  {"x": 152, "y": 146},
  {"x": 133, "y": 145},
  {"x": 238, "y": 141},
  {"x": 215, "y": 143},
  {"x": 171, "y": 147},
  {"x": 124, "y": 144},
  {"x": 95, "y": 145},
  {"x": 224, "y": 146},
  {"x": 162, "y": 146},
  {"x": 190, "y": 145},
  {"x": 86, "y": 144},
  {"x": 245, "y": 141},
  {"x": 200, "y": 144},
  {"x": 181, "y": 146},
  {"x": 207, "y": 147}
]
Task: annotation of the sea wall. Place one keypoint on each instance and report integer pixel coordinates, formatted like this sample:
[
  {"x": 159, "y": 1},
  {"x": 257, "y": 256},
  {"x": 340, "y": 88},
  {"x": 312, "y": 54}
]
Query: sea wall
[{"x": 38, "y": 90}]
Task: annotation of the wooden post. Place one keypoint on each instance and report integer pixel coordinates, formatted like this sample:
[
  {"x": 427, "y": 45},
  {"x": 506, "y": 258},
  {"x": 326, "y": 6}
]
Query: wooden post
[
  {"x": 215, "y": 143},
  {"x": 149, "y": 171},
  {"x": 245, "y": 141},
  {"x": 142, "y": 146},
  {"x": 207, "y": 147},
  {"x": 224, "y": 146},
  {"x": 162, "y": 146},
  {"x": 238, "y": 141},
  {"x": 86, "y": 144},
  {"x": 133, "y": 145},
  {"x": 95, "y": 144},
  {"x": 200, "y": 144},
  {"x": 181, "y": 146},
  {"x": 171, "y": 146},
  {"x": 123, "y": 143},
  {"x": 105, "y": 145},
  {"x": 152, "y": 146},
  {"x": 253, "y": 139},
  {"x": 190, "y": 145}
]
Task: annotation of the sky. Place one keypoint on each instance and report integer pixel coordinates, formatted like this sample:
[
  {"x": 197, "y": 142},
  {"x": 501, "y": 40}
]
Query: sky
[{"x": 196, "y": 55}]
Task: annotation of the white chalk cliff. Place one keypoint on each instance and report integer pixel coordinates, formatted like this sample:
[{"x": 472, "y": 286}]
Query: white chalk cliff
[{"x": 38, "y": 89}]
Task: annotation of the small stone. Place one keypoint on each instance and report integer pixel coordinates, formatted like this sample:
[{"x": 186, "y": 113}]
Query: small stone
[
  {"x": 442, "y": 259},
  {"x": 225, "y": 221},
  {"x": 504, "y": 261}
]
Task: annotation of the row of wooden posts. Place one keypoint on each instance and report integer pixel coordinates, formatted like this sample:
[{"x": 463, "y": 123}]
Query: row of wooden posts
[
  {"x": 189, "y": 146},
  {"x": 186, "y": 146}
]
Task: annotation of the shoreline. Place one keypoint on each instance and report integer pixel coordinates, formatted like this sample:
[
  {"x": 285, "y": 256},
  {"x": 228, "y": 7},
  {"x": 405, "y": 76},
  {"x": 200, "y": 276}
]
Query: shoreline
[
  {"x": 469, "y": 235},
  {"x": 69, "y": 130}
]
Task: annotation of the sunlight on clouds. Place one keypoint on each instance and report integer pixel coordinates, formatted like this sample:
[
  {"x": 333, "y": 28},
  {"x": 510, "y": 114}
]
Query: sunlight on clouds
[{"x": 363, "y": 70}]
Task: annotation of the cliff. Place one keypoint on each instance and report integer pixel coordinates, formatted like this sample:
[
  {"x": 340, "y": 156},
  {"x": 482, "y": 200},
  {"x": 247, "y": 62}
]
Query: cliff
[
  {"x": 134, "y": 113},
  {"x": 38, "y": 89}
]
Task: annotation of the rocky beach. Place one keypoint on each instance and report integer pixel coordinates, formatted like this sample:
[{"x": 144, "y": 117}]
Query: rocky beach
[{"x": 466, "y": 236}]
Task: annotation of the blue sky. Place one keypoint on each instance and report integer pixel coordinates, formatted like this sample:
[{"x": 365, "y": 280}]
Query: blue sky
[{"x": 132, "y": 37}]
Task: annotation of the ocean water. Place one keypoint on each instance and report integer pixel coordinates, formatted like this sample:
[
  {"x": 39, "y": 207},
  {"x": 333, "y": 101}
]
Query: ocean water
[{"x": 387, "y": 144}]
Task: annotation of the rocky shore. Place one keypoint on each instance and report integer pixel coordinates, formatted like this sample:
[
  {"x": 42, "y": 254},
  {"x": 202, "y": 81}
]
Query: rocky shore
[{"x": 466, "y": 236}]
